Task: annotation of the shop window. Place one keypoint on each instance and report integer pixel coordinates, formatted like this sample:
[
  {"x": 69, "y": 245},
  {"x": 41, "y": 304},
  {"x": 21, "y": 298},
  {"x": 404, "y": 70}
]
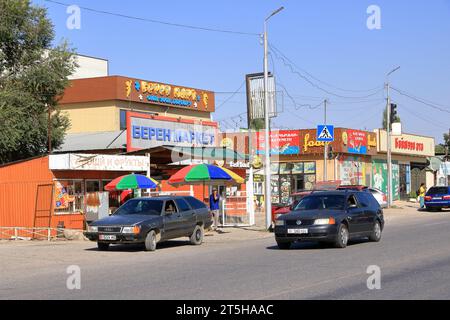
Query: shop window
[
  {"x": 69, "y": 197},
  {"x": 123, "y": 119},
  {"x": 92, "y": 186}
]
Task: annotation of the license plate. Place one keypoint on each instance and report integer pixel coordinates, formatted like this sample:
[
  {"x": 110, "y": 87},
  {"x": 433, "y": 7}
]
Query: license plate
[
  {"x": 297, "y": 231},
  {"x": 437, "y": 198},
  {"x": 107, "y": 237}
]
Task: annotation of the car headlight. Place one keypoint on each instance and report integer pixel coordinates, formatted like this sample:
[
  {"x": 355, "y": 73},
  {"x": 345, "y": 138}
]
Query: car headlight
[
  {"x": 324, "y": 221},
  {"x": 92, "y": 229},
  {"x": 131, "y": 230},
  {"x": 279, "y": 222}
]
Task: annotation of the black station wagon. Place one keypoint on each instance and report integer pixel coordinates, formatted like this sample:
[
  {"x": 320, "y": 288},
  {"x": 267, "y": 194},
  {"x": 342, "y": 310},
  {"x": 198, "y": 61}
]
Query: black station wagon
[{"x": 151, "y": 220}]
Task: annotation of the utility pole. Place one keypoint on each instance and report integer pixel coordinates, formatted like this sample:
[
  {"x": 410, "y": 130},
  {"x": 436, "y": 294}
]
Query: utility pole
[
  {"x": 49, "y": 129},
  {"x": 268, "y": 195},
  {"x": 325, "y": 150},
  {"x": 388, "y": 137}
]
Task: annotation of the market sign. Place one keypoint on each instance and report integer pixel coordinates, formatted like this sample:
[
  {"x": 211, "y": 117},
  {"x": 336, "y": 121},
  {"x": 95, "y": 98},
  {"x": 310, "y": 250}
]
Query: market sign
[
  {"x": 169, "y": 95},
  {"x": 148, "y": 131},
  {"x": 407, "y": 144},
  {"x": 283, "y": 142},
  {"x": 98, "y": 162}
]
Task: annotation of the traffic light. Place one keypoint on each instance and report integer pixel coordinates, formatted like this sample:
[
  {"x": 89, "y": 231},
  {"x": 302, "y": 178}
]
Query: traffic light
[
  {"x": 330, "y": 152},
  {"x": 393, "y": 116}
]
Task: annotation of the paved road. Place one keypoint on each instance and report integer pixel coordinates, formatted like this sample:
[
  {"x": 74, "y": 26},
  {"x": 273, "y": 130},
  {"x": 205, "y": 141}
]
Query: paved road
[{"x": 414, "y": 257}]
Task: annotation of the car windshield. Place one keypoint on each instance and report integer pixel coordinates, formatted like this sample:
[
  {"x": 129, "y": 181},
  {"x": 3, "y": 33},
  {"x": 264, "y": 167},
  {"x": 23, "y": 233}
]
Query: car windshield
[
  {"x": 140, "y": 206},
  {"x": 320, "y": 202}
]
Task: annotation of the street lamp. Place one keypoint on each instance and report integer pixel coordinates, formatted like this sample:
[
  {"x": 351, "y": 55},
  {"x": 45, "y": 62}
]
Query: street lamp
[
  {"x": 268, "y": 197},
  {"x": 388, "y": 137}
]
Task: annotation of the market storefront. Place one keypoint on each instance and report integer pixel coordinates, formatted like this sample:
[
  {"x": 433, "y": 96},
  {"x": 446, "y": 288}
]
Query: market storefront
[{"x": 409, "y": 164}]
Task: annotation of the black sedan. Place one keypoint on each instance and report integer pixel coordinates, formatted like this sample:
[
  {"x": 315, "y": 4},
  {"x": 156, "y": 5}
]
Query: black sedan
[
  {"x": 150, "y": 220},
  {"x": 331, "y": 217}
]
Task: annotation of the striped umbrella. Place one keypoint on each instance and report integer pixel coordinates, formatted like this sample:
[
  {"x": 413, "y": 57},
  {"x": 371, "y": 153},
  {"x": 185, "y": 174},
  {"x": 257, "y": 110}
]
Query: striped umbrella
[
  {"x": 132, "y": 181},
  {"x": 204, "y": 174}
]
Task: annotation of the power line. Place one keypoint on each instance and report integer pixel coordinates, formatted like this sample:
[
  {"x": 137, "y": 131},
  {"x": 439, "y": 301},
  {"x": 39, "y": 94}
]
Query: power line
[
  {"x": 317, "y": 79},
  {"x": 231, "y": 96},
  {"x": 434, "y": 106},
  {"x": 294, "y": 71},
  {"x": 179, "y": 25}
]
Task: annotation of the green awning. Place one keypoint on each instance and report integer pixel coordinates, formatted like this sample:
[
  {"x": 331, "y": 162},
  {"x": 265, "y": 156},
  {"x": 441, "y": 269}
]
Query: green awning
[{"x": 210, "y": 153}]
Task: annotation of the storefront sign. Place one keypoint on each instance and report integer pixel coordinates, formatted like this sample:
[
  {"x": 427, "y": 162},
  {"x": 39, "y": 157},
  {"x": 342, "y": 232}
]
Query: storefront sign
[
  {"x": 281, "y": 142},
  {"x": 145, "y": 131},
  {"x": 98, "y": 162},
  {"x": 239, "y": 164},
  {"x": 165, "y": 94},
  {"x": 310, "y": 144},
  {"x": 407, "y": 144}
]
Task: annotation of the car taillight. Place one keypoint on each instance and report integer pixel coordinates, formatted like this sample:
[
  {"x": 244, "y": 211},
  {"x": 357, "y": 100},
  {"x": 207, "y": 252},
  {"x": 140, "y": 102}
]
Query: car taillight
[
  {"x": 384, "y": 198},
  {"x": 446, "y": 197},
  {"x": 427, "y": 198}
]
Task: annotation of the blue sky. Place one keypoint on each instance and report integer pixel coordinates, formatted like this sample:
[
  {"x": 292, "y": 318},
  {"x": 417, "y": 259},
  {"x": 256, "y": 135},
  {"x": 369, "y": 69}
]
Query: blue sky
[{"x": 327, "y": 39}]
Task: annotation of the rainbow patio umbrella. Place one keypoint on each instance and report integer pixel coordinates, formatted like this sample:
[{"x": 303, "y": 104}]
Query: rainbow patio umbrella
[
  {"x": 204, "y": 174},
  {"x": 132, "y": 181}
]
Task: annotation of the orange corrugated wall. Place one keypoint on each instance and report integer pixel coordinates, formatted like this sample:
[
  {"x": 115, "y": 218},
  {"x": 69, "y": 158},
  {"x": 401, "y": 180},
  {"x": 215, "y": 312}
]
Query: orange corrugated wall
[{"x": 18, "y": 187}]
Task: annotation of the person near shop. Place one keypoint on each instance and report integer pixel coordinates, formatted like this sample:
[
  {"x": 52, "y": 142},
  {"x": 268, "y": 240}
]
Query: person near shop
[
  {"x": 422, "y": 190},
  {"x": 214, "y": 199}
]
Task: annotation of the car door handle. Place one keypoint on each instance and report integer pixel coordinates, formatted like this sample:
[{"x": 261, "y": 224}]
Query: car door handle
[{"x": 349, "y": 218}]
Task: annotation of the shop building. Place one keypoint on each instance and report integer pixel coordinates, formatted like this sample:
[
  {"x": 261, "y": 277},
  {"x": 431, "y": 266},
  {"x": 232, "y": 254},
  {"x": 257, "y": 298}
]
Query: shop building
[{"x": 410, "y": 161}]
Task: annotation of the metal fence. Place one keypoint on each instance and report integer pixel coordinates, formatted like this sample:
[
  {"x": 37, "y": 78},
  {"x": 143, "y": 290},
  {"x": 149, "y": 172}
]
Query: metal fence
[{"x": 23, "y": 233}]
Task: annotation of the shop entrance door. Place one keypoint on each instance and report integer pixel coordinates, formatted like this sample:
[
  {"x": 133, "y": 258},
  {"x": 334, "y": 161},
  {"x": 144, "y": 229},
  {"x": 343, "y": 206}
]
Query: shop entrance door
[{"x": 44, "y": 206}]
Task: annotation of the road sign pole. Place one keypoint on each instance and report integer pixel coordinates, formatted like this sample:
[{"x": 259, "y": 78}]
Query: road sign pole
[{"x": 325, "y": 150}]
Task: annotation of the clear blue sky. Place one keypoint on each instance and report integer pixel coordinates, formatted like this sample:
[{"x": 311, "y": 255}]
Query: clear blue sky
[{"x": 328, "y": 39}]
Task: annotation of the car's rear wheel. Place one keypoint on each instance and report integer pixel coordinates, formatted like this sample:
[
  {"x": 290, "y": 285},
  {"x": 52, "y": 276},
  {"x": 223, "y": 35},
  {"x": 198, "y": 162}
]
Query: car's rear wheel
[
  {"x": 342, "y": 237},
  {"x": 150, "y": 241},
  {"x": 284, "y": 245},
  {"x": 375, "y": 236},
  {"x": 102, "y": 246},
  {"x": 196, "y": 237}
]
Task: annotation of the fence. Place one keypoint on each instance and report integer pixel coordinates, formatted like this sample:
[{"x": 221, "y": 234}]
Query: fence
[{"x": 23, "y": 233}]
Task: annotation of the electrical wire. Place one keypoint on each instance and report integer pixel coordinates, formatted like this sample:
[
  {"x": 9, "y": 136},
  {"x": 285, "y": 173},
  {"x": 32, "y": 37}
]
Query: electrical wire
[
  {"x": 231, "y": 96},
  {"x": 179, "y": 25},
  {"x": 420, "y": 100},
  {"x": 315, "y": 78}
]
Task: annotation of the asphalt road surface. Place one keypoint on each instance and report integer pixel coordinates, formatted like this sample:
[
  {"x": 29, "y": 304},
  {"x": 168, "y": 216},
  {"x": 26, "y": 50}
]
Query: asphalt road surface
[{"x": 413, "y": 257}]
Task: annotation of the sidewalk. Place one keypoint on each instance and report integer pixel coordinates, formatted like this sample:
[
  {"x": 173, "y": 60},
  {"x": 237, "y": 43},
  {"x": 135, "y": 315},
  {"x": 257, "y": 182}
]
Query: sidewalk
[{"x": 228, "y": 234}]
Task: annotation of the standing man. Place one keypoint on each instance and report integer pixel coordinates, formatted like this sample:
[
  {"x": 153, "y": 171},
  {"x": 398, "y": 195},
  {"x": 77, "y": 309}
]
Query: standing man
[
  {"x": 214, "y": 207},
  {"x": 422, "y": 191}
]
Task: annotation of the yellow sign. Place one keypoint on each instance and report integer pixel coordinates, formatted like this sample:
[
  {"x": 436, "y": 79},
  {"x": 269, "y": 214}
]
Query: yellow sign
[{"x": 307, "y": 143}]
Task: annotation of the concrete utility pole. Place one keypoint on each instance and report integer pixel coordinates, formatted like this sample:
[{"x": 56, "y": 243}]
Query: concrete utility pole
[
  {"x": 388, "y": 137},
  {"x": 325, "y": 150},
  {"x": 268, "y": 196}
]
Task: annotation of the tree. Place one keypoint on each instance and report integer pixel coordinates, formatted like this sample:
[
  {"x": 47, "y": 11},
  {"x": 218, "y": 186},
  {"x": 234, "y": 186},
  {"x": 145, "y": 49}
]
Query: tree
[
  {"x": 384, "y": 124},
  {"x": 257, "y": 124},
  {"x": 32, "y": 77},
  {"x": 443, "y": 148}
]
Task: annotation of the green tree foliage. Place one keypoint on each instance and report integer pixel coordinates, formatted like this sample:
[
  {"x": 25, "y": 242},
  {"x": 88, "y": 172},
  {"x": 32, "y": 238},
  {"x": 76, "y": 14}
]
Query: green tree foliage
[{"x": 33, "y": 74}]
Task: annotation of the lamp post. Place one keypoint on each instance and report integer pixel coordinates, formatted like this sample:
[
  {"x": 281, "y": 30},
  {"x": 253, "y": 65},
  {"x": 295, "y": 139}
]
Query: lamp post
[
  {"x": 268, "y": 196},
  {"x": 388, "y": 137}
]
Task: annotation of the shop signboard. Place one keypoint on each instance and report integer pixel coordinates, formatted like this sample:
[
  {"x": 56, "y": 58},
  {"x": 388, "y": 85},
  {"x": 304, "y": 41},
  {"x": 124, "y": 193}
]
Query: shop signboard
[
  {"x": 283, "y": 142},
  {"x": 407, "y": 144},
  {"x": 98, "y": 162},
  {"x": 147, "y": 131}
]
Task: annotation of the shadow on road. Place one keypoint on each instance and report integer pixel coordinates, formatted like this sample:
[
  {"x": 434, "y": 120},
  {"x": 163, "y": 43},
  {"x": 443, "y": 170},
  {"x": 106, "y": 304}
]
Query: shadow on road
[
  {"x": 140, "y": 247},
  {"x": 310, "y": 245}
]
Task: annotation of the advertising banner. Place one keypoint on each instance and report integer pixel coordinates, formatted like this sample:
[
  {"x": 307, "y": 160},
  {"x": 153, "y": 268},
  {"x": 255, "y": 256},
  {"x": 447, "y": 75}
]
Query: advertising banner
[
  {"x": 380, "y": 177},
  {"x": 356, "y": 141},
  {"x": 283, "y": 142}
]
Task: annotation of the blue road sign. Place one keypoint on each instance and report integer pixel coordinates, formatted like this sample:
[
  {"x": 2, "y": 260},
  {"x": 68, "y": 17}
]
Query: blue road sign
[{"x": 325, "y": 133}]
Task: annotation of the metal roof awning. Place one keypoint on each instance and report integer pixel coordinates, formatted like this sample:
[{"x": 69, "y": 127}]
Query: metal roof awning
[{"x": 170, "y": 154}]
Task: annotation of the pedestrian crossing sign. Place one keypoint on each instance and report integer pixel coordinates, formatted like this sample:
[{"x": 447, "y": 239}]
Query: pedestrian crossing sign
[{"x": 325, "y": 133}]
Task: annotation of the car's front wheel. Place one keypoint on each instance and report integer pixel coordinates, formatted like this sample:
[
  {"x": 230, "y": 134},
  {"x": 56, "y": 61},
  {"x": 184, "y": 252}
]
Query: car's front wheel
[
  {"x": 342, "y": 237},
  {"x": 196, "y": 237},
  {"x": 284, "y": 245},
  {"x": 376, "y": 233},
  {"x": 150, "y": 241},
  {"x": 102, "y": 246}
]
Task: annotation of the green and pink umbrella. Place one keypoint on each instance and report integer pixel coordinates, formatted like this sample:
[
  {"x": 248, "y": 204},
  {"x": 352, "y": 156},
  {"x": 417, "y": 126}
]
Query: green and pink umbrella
[
  {"x": 204, "y": 174},
  {"x": 132, "y": 181}
]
